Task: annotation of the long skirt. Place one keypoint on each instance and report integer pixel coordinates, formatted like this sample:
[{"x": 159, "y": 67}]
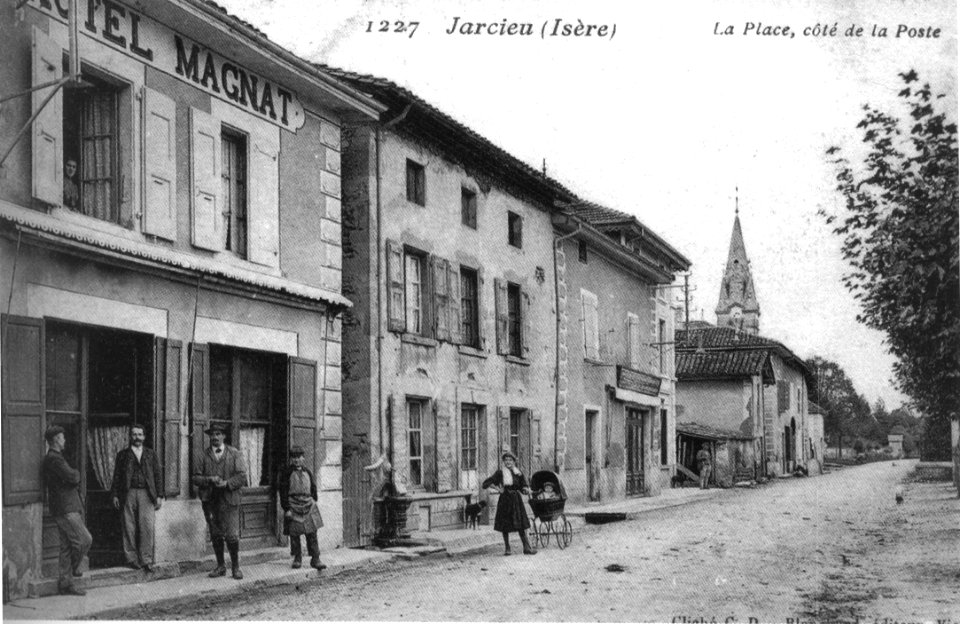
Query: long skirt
[{"x": 511, "y": 514}]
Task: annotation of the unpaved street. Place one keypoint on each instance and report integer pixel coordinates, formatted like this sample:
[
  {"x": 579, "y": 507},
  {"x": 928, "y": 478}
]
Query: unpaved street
[{"x": 835, "y": 547}]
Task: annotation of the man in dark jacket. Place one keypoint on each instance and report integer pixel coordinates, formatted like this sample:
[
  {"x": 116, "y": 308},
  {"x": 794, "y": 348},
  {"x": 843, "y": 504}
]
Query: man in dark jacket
[
  {"x": 63, "y": 496},
  {"x": 137, "y": 487},
  {"x": 222, "y": 474},
  {"x": 298, "y": 499}
]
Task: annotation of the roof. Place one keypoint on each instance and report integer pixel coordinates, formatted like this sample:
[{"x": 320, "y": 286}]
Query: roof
[
  {"x": 813, "y": 408},
  {"x": 727, "y": 340},
  {"x": 737, "y": 287},
  {"x": 713, "y": 433},
  {"x": 723, "y": 364}
]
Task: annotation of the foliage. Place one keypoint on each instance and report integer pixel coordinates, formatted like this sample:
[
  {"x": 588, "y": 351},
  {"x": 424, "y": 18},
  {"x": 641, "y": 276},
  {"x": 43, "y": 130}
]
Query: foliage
[
  {"x": 901, "y": 231},
  {"x": 846, "y": 411}
]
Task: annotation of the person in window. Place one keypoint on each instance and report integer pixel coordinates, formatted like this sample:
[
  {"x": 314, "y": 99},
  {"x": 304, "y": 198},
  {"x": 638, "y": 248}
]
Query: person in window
[
  {"x": 222, "y": 474},
  {"x": 63, "y": 496},
  {"x": 298, "y": 498},
  {"x": 511, "y": 515},
  {"x": 71, "y": 192}
]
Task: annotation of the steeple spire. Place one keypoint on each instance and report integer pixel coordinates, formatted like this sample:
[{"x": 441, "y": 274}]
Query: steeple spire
[{"x": 737, "y": 305}]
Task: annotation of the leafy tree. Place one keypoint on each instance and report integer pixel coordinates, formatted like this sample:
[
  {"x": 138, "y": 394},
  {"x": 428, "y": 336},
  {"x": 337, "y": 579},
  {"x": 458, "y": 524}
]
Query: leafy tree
[
  {"x": 901, "y": 231},
  {"x": 846, "y": 410}
]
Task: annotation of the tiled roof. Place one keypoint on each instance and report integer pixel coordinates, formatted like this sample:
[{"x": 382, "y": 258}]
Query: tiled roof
[
  {"x": 713, "y": 433},
  {"x": 600, "y": 215},
  {"x": 720, "y": 340},
  {"x": 720, "y": 364},
  {"x": 813, "y": 408}
]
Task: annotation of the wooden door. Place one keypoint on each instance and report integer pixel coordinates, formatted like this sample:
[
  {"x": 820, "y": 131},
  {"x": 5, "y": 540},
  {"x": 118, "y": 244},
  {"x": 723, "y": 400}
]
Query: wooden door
[
  {"x": 357, "y": 493},
  {"x": 590, "y": 455},
  {"x": 634, "y": 448}
]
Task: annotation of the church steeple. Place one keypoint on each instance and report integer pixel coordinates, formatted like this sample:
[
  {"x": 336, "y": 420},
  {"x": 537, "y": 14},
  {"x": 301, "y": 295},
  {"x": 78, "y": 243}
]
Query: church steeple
[{"x": 738, "y": 306}]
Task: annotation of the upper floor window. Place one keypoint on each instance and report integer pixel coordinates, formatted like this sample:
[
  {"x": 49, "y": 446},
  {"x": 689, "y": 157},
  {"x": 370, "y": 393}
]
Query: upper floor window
[
  {"x": 234, "y": 174},
  {"x": 662, "y": 344},
  {"x": 416, "y": 183},
  {"x": 469, "y": 308},
  {"x": 582, "y": 251},
  {"x": 515, "y": 230},
  {"x": 91, "y": 144},
  {"x": 415, "y": 273},
  {"x": 591, "y": 325},
  {"x": 468, "y": 208},
  {"x": 514, "y": 321}
]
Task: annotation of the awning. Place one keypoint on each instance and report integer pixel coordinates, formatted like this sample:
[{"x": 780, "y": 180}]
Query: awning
[{"x": 710, "y": 432}]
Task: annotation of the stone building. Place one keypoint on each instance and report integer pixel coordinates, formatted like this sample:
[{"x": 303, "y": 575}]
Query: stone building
[
  {"x": 170, "y": 237},
  {"x": 616, "y": 409},
  {"x": 450, "y": 348}
]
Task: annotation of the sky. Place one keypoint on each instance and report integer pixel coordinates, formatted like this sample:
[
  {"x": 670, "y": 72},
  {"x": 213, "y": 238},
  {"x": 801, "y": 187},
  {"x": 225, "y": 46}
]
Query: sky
[{"x": 671, "y": 122}]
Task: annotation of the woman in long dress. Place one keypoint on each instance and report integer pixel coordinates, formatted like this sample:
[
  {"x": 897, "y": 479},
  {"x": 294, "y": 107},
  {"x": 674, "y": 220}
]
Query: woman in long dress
[{"x": 511, "y": 514}]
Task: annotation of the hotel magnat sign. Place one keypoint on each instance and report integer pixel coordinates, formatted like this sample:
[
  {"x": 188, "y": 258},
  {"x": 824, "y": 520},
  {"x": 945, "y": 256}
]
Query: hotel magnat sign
[
  {"x": 637, "y": 381},
  {"x": 150, "y": 42}
]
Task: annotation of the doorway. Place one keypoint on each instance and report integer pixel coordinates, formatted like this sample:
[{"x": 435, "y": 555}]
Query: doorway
[
  {"x": 635, "y": 452},
  {"x": 591, "y": 454},
  {"x": 98, "y": 383}
]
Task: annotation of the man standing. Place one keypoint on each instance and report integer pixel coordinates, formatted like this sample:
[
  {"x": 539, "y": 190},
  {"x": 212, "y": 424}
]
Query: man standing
[
  {"x": 63, "y": 496},
  {"x": 137, "y": 486},
  {"x": 222, "y": 474},
  {"x": 705, "y": 464}
]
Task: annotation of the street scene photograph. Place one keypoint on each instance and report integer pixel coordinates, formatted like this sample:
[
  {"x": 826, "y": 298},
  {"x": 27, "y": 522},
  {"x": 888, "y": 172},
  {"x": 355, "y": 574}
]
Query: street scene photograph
[{"x": 501, "y": 311}]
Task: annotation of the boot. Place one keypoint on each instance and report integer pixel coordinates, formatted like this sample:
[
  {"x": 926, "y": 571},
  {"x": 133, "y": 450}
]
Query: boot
[
  {"x": 295, "y": 551},
  {"x": 527, "y": 549},
  {"x": 221, "y": 569},
  {"x": 506, "y": 544},
  {"x": 234, "y": 547},
  {"x": 313, "y": 547}
]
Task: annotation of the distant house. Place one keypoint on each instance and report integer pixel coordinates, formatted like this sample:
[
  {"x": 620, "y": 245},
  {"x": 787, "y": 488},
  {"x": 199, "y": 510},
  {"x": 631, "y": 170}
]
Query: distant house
[
  {"x": 816, "y": 437},
  {"x": 895, "y": 440}
]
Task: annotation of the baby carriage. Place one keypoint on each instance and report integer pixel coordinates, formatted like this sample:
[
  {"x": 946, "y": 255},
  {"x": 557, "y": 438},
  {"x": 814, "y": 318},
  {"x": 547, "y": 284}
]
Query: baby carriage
[{"x": 549, "y": 518}]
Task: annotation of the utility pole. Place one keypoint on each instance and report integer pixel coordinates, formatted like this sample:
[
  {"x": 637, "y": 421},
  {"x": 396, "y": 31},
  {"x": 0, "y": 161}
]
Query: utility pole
[{"x": 686, "y": 302}]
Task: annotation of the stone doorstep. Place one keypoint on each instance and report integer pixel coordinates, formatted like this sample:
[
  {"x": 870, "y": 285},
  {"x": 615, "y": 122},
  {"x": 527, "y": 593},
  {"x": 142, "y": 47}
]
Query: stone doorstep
[{"x": 121, "y": 575}]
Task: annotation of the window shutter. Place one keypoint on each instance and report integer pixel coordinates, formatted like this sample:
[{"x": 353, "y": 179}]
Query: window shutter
[
  {"x": 783, "y": 396},
  {"x": 500, "y": 297},
  {"x": 441, "y": 317},
  {"x": 481, "y": 316},
  {"x": 199, "y": 403},
  {"x": 47, "y": 148},
  {"x": 23, "y": 405},
  {"x": 205, "y": 181},
  {"x": 503, "y": 431},
  {"x": 167, "y": 355},
  {"x": 160, "y": 165},
  {"x": 591, "y": 330},
  {"x": 446, "y": 464},
  {"x": 398, "y": 435},
  {"x": 263, "y": 211},
  {"x": 536, "y": 441},
  {"x": 633, "y": 331},
  {"x": 453, "y": 302},
  {"x": 302, "y": 409},
  {"x": 526, "y": 323},
  {"x": 396, "y": 314}
]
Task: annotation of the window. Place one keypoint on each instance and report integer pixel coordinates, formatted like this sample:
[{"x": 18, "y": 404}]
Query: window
[
  {"x": 469, "y": 419},
  {"x": 582, "y": 251},
  {"x": 416, "y": 183},
  {"x": 516, "y": 433},
  {"x": 415, "y": 441},
  {"x": 662, "y": 344},
  {"x": 415, "y": 292},
  {"x": 469, "y": 308},
  {"x": 514, "y": 321},
  {"x": 468, "y": 208},
  {"x": 783, "y": 396},
  {"x": 515, "y": 230},
  {"x": 591, "y": 325},
  {"x": 663, "y": 437},
  {"x": 91, "y": 138},
  {"x": 633, "y": 338},
  {"x": 234, "y": 174}
]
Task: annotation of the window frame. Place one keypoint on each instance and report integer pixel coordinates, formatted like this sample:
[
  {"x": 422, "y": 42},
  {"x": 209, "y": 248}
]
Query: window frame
[
  {"x": 233, "y": 137},
  {"x": 468, "y": 208},
  {"x": 469, "y": 437},
  {"x": 469, "y": 307},
  {"x": 416, "y": 476},
  {"x": 514, "y": 320},
  {"x": 416, "y": 183},
  {"x": 582, "y": 252},
  {"x": 514, "y": 230},
  {"x": 421, "y": 260}
]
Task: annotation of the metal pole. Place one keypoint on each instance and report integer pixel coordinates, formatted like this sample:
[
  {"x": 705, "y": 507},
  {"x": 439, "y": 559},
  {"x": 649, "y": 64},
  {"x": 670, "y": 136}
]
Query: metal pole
[
  {"x": 33, "y": 117},
  {"x": 686, "y": 302},
  {"x": 74, "y": 21}
]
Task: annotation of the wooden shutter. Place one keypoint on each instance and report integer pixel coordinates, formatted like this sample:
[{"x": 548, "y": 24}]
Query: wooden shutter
[
  {"x": 23, "y": 404},
  {"x": 783, "y": 396},
  {"x": 503, "y": 319},
  {"x": 302, "y": 408},
  {"x": 481, "y": 315},
  {"x": 453, "y": 302},
  {"x": 205, "y": 181},
  {"x": 263, "y": 210},
  {"x": 591, "y": 330},
  {"x": 396, "y": 312},
  {"x": 446, "y": 458},
  {"x": 398, "y": 434},
  {"x": 503, "y": 431},
  {"x": 440, "y": 299},
  {"x": 536, "y": 436},
  {"x": 167, "y": 355},
  {"x": 199, "y": 404},
  {"x": 633, "y": 334},
  {"x": 526, "y": 323},
  {"x": 160, "y": 165},
  {"x": 47, "y": 148}
]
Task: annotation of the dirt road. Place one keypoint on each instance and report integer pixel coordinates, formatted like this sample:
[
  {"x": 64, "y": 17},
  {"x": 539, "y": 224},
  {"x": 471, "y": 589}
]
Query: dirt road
[{"x": 829, "y": 548}]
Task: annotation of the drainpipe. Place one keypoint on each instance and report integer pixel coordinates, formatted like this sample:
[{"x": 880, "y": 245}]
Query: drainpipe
[{"x": 558, "y": 242}]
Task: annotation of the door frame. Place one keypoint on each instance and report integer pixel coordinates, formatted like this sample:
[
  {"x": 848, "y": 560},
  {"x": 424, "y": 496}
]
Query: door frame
[{"x": 635, "y": 417}]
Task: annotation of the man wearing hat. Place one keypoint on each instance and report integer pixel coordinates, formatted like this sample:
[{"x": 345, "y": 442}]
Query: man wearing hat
[
  {"x": 221, "y": 475},
  {"x": 298, "y": 498},
  {"x": 63, "y": 496}
]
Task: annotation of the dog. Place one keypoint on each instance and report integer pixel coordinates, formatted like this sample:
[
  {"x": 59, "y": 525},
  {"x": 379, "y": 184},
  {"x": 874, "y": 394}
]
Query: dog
[
  {"x": 898, "y": 495},
  {"x": 471, "y": 514}
]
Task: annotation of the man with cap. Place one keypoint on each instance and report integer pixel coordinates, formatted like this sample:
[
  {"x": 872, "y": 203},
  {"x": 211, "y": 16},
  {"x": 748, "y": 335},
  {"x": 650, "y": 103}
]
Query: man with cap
[
  {"x": 63, "y": 496},
  {"x": 298, "y": 498},
  {"x": 221, "y": 475}
]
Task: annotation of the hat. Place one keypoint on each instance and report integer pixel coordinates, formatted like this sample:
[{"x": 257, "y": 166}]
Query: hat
[
  {"x": 296, "y": 451},
  {"x": 507, "y": 453},
  {"x": 214, "y": 427}
]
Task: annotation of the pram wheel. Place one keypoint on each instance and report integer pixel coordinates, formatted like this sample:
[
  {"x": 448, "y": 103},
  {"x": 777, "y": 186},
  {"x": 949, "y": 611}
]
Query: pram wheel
[{"x": 567, "y": 532}]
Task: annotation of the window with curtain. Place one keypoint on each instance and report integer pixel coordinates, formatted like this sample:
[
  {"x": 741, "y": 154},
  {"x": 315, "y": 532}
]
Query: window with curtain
[
  {"x": 91, "y": 124},
  {"x": 415, "y": 441},
  {"x": 234, "y": 177}
]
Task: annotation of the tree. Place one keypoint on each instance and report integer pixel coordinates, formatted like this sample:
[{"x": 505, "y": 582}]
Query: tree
[
  {"x": 901, "y": 231},
  {"x": 834, "y": 392}
]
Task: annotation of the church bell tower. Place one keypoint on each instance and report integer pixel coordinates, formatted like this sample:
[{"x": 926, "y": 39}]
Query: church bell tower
[{"x": 738, "y": 305}]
